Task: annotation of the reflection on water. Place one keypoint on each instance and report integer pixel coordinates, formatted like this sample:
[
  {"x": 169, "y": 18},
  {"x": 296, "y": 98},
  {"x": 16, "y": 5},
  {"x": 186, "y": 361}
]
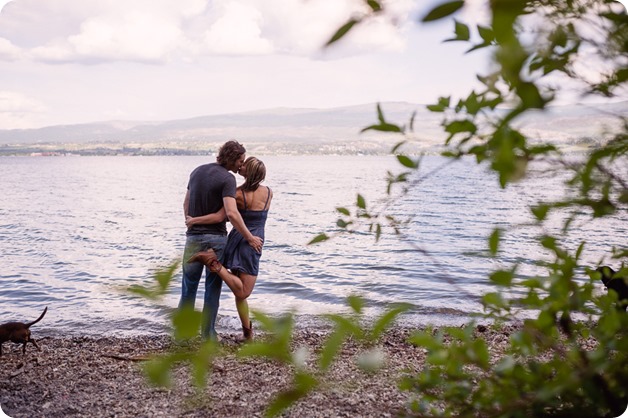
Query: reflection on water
[{"x": 75, "y": 230}]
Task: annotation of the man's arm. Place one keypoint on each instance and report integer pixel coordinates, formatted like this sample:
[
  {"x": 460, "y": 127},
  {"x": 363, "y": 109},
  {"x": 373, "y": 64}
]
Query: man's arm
[
  {"x": 212, "y": 218},
  {"x": 238, "y": 223},
  {"x": 186, "y": 204}
]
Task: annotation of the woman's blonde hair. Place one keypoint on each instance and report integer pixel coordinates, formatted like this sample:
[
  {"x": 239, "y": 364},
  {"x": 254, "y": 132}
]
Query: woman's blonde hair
[{"x": 255, "y": 174}]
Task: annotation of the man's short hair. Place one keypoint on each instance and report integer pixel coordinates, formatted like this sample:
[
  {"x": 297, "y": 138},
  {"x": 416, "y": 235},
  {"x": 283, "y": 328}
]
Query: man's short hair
[{"x": 230, "y": 152}]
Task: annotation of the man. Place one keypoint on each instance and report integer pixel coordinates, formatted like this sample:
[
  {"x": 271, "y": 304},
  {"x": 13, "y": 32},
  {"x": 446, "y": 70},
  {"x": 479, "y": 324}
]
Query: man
[{"x": 210, "y": 197}]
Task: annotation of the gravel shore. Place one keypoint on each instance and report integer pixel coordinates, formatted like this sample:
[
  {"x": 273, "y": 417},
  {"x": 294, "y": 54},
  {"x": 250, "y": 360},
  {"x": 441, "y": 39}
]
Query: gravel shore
[{"x": 102, "y": 377}]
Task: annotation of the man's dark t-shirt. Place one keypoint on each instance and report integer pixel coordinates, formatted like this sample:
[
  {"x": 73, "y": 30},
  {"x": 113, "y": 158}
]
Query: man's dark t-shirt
[{"x": 208, "y": 184}]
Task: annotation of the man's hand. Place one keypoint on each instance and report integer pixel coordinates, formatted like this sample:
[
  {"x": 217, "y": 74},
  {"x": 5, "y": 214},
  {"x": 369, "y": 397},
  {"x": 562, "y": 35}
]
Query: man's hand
[{"x": 256, "y": 243}]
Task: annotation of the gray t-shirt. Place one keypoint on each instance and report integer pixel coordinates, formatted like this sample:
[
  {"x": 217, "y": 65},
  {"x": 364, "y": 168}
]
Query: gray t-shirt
[{"x": 208, "y": 184}]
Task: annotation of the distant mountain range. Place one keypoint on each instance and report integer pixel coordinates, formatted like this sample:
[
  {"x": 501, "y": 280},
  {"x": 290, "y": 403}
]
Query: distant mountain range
[{"x": 315, "y": 126}]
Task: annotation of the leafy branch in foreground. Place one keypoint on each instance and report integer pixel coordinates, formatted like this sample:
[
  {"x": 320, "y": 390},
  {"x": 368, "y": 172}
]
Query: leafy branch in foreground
[
  {"x": 186, "y": 323},
  {"x": 278, "y": 346},
  {"x": 569, "y": 357}
]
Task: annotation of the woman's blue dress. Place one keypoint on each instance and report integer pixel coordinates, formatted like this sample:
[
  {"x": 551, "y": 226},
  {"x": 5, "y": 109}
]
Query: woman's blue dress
[{"x": 239, "y": 255}]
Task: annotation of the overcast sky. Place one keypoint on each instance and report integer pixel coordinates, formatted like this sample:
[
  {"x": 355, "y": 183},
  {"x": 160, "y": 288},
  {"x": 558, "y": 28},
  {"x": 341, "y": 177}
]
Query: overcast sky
[{"x": 75, "y": 61}]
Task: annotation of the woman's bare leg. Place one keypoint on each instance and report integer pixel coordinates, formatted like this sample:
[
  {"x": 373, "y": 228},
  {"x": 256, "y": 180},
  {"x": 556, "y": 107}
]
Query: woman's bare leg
[
  {"x": 241, "y": 284},
  {"x": 243, "y": 311}
]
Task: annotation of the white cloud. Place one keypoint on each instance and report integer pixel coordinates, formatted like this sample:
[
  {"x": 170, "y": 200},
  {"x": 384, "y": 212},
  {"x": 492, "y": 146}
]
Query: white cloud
[
  {"x": 155, "y": 31},
  {"x": 193, "y": 43},
  {"x": 236, "y": 30},
  {"x": 132, "y": 36},
  {"x": 133, "y": 31},
  {"x": 18, "y": 111},
  {"x": 303, "y": 27},
  {"x": 8, "y": 51}
]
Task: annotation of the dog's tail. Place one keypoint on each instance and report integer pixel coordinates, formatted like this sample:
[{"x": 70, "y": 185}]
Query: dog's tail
[{"x": 38, "y": 319}]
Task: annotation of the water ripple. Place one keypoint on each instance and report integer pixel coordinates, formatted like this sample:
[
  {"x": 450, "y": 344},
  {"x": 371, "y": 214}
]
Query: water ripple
[{"x": 102, "y": 229}]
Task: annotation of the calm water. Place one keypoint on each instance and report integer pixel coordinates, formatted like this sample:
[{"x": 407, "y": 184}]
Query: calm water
[{"x": 73, "y": 230}]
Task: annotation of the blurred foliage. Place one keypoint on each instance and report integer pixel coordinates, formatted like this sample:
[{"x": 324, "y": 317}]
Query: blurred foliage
[
  {"x": 275, "y": 345},
  {"x": 569, "y": 358},
  {"x": 309, "y": 374},
  {"x": 555, "y": 365},
  {"x": 186, "y": 322}
]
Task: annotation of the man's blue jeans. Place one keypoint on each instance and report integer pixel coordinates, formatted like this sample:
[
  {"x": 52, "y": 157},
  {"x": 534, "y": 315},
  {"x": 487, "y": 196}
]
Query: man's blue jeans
[{"x": 192, "y": 273}]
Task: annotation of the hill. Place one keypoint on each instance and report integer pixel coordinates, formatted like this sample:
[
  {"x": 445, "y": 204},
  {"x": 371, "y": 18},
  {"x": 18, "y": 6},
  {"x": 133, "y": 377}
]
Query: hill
[{"x": 305, "y": 130}]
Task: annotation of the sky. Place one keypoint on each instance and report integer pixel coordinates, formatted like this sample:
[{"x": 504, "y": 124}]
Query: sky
[{"x": 77, "y": 61}]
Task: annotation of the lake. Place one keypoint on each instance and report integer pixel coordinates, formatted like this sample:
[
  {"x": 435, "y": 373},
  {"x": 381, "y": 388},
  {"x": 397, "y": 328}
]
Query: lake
[{"x": 75, "y": 230}]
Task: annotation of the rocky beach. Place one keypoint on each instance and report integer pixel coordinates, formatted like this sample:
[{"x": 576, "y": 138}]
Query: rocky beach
[{"x": 102, "y": 377}]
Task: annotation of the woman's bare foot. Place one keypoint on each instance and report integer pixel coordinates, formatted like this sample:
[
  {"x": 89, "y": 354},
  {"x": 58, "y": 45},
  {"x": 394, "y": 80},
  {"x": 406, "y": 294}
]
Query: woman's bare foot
[{"x": 248, "y": 332}]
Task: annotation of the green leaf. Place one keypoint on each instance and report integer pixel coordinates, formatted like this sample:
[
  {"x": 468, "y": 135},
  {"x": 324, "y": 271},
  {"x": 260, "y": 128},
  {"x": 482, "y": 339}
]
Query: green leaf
[
  {"x": 344, "y": 211},
  {"x": 459, "y": 126},
  {"x": 425, "y": 340},
  {"x": 142, "y": 291},
  {"x": 383, "y": 127},
  {"x": 502, "y": 277},
  {"x": 530, "y": 96},
  {"x": 540, "y": 212},
  {"x": 346, "y": 325},
  {"x": 487, "y": 34},
  {"x": 441, "y": 106},
  {"x": 397, "y": 146},
  {"x": 186, "y": 322},
  {"x": 443, "y": 10},
  {"x": 342, "y": 223},
  {"x": 200, "y": 362},
  {"x": 412, "y": 121},
  {"x": 158, "y": 372},
  {"x": 505, "y": 365},
  {"x": 361, "y": 203},
  {"x": 344, "y": 29},
  {"x": 462, "y": 32},
  {"x": 549, "y": 243},
  {"x": 481, "y": 354},
  {"x": 407, "y": 161},
  {"x": 435, "y": 108},
  {"x": 164, "y": 277},
  {"x": 330, "y": 349},
  {"x": 493, "y": 241},
  {"x": 387, "y": 318},
  {"x": 378, "y": 232},
  {"x": 493, "y": 300},
  {"x": 380, "y": 114},
  {"x": 356, "y": 303},
  {"x": 478, "y": 46},
  {"x": 318, "y": 238},
  {"x": 375, "y": 6}
]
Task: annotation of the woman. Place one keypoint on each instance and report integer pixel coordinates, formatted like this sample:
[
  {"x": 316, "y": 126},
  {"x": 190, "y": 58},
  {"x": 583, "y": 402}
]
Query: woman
[{"x": 241, "y": 262}]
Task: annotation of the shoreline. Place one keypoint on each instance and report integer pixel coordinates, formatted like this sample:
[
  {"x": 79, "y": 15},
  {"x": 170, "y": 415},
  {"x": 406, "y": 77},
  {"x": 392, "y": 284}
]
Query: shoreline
[
  {"x": 229, "y": 324},
  {"x": 90, "y": 376}
]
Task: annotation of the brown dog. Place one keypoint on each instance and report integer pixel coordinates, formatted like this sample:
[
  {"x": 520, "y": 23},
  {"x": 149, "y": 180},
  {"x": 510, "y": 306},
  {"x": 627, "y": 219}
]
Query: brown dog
[{"x": 19, "y": 333}]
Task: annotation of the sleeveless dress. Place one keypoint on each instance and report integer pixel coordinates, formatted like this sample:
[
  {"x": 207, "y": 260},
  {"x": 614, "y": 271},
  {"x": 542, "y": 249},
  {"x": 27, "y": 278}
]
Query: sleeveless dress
[{"x": 239, "y": 255}]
